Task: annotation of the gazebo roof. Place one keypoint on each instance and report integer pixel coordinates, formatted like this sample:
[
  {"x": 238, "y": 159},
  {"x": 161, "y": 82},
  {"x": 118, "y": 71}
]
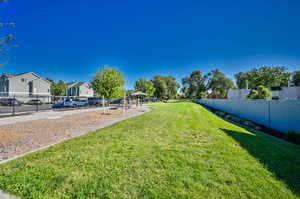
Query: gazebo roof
[{"x": 138, "y": 93}]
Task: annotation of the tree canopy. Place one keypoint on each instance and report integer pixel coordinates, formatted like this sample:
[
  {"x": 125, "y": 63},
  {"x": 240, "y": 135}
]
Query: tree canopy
[
  {"x": 195, "y": 85},
  {"x": 218, "y": 84},
  {"x": 166, "y": 87},
  {"x": 146, "y": 86},
  {"x": 6, "y": 43},
  {"x": 108, "y": 82},
  {"x": 267, "y": 76},
  {"x": 58, "y": 89}
]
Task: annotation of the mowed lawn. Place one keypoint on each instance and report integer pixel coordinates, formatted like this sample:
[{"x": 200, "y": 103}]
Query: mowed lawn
[{"x": 179, "y": 150}]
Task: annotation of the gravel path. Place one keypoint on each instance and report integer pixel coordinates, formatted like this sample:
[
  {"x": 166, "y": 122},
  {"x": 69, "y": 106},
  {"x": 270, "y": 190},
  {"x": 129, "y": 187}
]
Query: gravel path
[{"x": 20, "y": 138}]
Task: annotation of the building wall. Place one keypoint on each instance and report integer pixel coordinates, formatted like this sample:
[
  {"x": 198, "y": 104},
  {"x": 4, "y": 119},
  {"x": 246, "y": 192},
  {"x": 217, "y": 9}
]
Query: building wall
[
  {"x": 276, "y": 114},
  {"x": 238, "y": 93},
  {"x": 19, "y": 87},
  {"x": 290, "y": 93},
  {"x": 4, "y": 85},
  {"x": 86, "y": 91}
]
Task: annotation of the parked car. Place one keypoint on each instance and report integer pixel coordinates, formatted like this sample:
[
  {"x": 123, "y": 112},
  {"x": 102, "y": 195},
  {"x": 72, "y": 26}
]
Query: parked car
[
  {"x": 120, "y": 101},
  {"x": 80, "y": 103},
  {"x": 58, "y": 105},
  {"x": 96, "y": 101},
  {"x": 35, "y": 102},
  {"x": 70, "y": 103},
  {"x": 10, "y": 102},
  {"x": 116, "y": 101}
]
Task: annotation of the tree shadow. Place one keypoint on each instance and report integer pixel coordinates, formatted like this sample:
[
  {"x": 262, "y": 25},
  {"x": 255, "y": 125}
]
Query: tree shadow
[{"x": 279, "y": 157}]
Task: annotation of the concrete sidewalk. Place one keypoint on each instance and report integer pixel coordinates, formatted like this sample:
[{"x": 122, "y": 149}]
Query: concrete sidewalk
[
  {"x": 4, "y": 195},
  {"x": 45, "y": 115}
]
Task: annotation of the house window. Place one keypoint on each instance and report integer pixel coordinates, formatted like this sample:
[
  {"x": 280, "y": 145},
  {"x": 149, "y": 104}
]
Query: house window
[{"x": 23, "y": 80}]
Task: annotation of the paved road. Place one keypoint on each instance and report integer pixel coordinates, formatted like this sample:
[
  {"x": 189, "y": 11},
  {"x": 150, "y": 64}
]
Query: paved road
[{"x": 24, "y": 108}]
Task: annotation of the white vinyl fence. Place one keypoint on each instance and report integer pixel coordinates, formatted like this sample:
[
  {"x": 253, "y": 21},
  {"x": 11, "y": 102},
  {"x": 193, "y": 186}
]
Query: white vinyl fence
[{"x": 279, "y": 115}]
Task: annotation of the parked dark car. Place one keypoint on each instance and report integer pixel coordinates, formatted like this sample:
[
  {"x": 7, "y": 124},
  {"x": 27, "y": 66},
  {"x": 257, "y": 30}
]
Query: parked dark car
[
  {"x": 58, "y": 105},
  {"x": 10, "y": 102},
  {"x": 80, "y": 103},
  {"x": 96, "y": 101},
  {"x": 35, "y": 102},
  {"x": 116, "y": 101}
]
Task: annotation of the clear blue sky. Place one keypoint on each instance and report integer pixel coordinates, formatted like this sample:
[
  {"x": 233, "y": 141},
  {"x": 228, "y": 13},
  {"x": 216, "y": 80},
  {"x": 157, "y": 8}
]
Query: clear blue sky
[{"x": 69, "y": 39}]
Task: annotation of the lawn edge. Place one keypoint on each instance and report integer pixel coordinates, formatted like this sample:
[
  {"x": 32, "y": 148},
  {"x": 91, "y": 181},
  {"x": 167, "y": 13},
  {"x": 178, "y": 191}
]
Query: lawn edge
[{"x": 146, "y": 110}]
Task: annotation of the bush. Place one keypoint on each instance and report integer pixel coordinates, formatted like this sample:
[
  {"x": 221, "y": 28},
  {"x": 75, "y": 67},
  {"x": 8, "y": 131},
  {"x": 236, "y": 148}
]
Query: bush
[
  {"x": 260, "y": 93},
  {"x": 202, "y": 95},
  {"x": 220, "y": 113},
  {"x": 294, "y": 136}
]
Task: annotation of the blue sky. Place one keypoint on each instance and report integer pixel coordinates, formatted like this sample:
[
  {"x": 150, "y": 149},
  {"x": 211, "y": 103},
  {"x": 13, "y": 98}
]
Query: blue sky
[{"x": 69, "y": 39}]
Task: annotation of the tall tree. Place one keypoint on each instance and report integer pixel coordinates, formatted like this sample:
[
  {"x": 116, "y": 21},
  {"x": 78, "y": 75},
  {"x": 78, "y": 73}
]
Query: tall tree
[
  {"x": 296, "y": 78},
  {"x": 166, "y": 87},
  {"x": 6, "y": 41},
  {"x": 108, "y": 83},
  {"x": 58, "y": 89},
  {"x": 194, "y": 85},
  {"x": 146, "y": 86},
  {"x": 267, "y": 76},
  {"x": 172, "y": 87},
  {"x": 242, "y": 79},
  {"x": 219, "y": 84}
]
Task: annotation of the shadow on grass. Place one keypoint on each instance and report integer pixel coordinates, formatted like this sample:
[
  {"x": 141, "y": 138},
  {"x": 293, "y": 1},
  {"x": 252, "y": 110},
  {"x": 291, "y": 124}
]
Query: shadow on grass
[{"x": 281, "y": 159}]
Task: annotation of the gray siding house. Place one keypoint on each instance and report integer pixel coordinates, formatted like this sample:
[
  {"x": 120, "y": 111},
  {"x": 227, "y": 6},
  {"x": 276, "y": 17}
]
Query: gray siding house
[
  {"x": 25, "y": 86},
  {"x": 80, "y": 89}
]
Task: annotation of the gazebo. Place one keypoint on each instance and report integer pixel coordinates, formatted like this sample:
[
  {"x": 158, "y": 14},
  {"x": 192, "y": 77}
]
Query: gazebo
[{"x": 138, "y": 94}]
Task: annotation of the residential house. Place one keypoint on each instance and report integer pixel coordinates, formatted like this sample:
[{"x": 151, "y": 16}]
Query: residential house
[
  {"x": 25, "y": 86},
  {"x": 80, "y": 89}
]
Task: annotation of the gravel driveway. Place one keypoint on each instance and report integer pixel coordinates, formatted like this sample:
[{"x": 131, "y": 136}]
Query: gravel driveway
[{"x": 22, "y": 137}]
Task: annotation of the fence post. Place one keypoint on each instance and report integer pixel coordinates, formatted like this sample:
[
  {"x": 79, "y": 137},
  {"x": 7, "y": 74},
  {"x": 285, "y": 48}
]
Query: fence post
[
  {"x": 13, "y": 105},
  {"x": 37, "y": 103}
]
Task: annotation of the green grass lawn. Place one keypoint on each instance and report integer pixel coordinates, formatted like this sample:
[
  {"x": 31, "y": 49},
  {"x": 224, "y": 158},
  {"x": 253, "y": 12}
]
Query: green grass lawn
[{"x": 179, "y": 150}]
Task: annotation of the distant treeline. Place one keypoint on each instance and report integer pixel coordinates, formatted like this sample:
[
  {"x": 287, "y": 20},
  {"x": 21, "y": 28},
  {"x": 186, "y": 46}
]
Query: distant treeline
[
  {"x": 215, "y": 84},
  {"x": 109, "y": 83}
]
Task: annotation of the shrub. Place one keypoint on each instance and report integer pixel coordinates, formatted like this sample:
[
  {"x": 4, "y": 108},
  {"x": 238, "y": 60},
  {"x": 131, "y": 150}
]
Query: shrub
[
  {"x": 202, "y": 95},
  {"x": 294, "y": 136},
  {"x": 220, "y": 113},
  {"x": 250, "y": 124},
  {"x": 260, "y": 93}
]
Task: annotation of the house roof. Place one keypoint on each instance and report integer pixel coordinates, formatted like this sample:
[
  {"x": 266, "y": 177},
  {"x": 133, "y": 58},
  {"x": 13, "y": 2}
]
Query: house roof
[
  {"x": 76, "y": 84},
  {"x": 15, "y": 75}
]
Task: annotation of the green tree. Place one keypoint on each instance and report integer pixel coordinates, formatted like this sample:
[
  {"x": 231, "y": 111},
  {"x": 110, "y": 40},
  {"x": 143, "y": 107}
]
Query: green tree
[
  {"x": 296, "y": 78},
  {"x": 172, "y": 87},
  {"x": 219, "y": 84},
  {"x": 166, "y": 87},
  {"x": 145, "y": 86},
  {"x": 260, "y": 93},
  {"x": 267, "y": 76},
  {"x": 6, "y": 43},
  {"x": 193, "y": 85},
  {"x": 108, "y": 83},
  {"x": 58, "y": 89},
  {"x": 242, "y": 79}
]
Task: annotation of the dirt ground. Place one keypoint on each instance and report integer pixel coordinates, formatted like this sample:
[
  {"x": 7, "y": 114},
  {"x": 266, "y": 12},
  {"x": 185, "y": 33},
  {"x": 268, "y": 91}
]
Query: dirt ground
[{"x": 19, "y": 138}]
